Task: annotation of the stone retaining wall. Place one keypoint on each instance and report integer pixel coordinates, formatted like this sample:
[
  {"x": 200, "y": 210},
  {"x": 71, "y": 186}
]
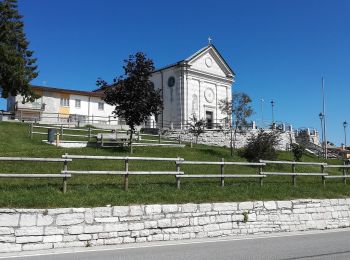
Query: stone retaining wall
[
  {"x": 33, "y": 229},
  {"x": 223, "y": 138}
]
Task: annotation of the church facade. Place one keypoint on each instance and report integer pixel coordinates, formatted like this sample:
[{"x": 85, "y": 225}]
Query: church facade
[{"x": 194, "y": 87}]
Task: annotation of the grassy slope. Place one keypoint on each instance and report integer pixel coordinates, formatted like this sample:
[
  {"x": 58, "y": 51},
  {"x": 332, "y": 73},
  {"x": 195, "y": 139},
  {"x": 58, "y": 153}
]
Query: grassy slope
[{"x": 102, "y": 190}]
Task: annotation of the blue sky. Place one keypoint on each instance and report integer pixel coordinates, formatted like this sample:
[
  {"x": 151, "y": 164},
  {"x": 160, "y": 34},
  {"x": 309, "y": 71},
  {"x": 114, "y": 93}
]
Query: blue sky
[{"x": 279, "y": 49}]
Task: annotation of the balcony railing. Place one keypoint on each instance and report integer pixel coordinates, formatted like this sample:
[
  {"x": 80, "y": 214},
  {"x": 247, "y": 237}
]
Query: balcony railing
[{"x": 30, "y": 105}]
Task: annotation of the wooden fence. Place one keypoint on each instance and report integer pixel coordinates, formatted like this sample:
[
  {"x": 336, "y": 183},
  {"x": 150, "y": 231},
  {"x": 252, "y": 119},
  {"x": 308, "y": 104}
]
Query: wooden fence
[
  {"x": 293, "y": 172},
  {"x": 126, "y": 172},
  {"x": 222, "y": 174},
  {"x": 177, "y": 173},
  {"x": 64, "y": 176},
  {"x": 344, "y": 175}
]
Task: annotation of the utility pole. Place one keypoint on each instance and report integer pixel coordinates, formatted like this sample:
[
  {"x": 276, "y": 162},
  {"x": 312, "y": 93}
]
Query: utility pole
[
  {"x": 262, "y": 112},
  {"x": 324, "y": 119},
  {"x": 273, "y": 114},
  {"x": 322, "y": 135},
  {"x": 345, "y": 124}
]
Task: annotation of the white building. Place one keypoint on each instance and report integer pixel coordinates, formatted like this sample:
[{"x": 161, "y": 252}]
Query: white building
[
  {"x": 193, "y": 86},
  {"x": 63, "y": 105}
]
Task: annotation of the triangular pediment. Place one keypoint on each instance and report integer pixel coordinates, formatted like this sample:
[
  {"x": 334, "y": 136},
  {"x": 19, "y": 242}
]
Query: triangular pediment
[{"x": 210, "y": 61}]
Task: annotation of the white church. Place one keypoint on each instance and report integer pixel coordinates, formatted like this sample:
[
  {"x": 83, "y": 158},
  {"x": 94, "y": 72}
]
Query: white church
[
  {"x": 191, "y": 87},
  {"x": 194, "y": 86}
]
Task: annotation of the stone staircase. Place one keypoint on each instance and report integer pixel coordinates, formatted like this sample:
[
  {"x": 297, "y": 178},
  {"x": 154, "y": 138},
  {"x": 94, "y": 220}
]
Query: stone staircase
[{"x": 318, "y": 150}]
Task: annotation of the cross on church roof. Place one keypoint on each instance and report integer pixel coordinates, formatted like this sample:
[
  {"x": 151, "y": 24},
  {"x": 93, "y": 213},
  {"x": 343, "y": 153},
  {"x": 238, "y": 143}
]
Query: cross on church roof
[{"x": 209, "y": 40}]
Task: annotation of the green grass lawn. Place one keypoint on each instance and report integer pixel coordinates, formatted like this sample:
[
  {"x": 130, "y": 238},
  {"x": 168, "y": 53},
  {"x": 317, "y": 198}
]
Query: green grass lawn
[{"x": 102, "y": 190}]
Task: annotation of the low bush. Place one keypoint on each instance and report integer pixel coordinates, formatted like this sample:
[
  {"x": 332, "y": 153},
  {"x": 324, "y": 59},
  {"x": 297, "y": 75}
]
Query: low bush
[
  {"x": 262, "y": 146},
  {"x": 298, "y": 151}
]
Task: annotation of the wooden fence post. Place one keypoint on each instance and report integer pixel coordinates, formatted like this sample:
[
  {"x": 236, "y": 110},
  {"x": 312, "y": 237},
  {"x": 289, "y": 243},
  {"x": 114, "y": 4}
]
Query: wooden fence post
[
  {"x": 344, "y": 173},
  {"x": 57, "y": 139},
  {"x": 89, "y": 133},
  {"x": 159, "y": 135},
  {"x": 323, "y": 178},
  {"x": 61, "y": 132},
  {"x": 65, "y": 169},
  {"x": 222, "y": 171},
  {"x": 294, "y": 181},
  {"x": 31, "y": 131},
  {"x": 126, "y": 177},
  {"x": 131, "y": 148},
  {"x": 261, "y": 179},
  {"x": 178, "y": 185}
]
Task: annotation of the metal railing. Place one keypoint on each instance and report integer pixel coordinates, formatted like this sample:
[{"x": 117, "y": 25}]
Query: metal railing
[
  {"x": 86, "y": 132},
  {"x": 102, "y": 135},
  {"x": 59, "y": 118}
]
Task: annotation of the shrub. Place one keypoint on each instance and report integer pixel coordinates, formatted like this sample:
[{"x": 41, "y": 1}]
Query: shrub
[
  {"x": 197, "y": 127},
  {"x": 298, "y": 151},
  {"x": 262, "y": 146}
]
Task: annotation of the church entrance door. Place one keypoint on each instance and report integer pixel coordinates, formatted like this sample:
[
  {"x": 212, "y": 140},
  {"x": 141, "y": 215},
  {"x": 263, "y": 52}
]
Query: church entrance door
[{"x": 209, "y": 119}]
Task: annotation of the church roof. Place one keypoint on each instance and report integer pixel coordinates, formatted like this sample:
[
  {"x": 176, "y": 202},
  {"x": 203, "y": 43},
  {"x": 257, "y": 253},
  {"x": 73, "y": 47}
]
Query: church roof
[
  {"x": 67, "y": 91},
  {"x": 196, "y": 54},
  {"x": 199, "y": 52}
]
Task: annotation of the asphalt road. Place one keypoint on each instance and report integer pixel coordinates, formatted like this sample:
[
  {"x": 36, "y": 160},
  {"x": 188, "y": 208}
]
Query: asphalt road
[{"x": 317, "y": 245}]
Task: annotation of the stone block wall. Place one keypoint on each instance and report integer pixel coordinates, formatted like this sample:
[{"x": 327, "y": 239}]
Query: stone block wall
[
  {"x": 223, "y": 138},
  {"x": 34, "y": 229}
]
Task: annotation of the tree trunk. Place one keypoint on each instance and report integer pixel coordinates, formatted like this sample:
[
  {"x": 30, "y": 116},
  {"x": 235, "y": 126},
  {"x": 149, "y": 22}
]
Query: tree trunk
[
  {"x": 130, "y": 141},
  {"x": 233, "y": 141}
]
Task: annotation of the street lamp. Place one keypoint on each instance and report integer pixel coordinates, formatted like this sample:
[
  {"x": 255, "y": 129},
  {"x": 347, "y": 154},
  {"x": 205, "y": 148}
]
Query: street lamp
[
  {"x": 345, "y": 124},
  {"x": 321, "y": 116},
  {"x": 273, "y": 115}
]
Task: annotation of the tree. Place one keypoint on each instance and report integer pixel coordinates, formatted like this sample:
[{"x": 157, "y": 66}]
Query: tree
[
  {"x": 197, "y": 127},
  {"x": 17, "y": 67},
  {"x": 298, "y": 151},
  {"x": 133, "y": 94},
  {"x": 262, "y": 146},
  {"x": 238, "y": 109}
]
